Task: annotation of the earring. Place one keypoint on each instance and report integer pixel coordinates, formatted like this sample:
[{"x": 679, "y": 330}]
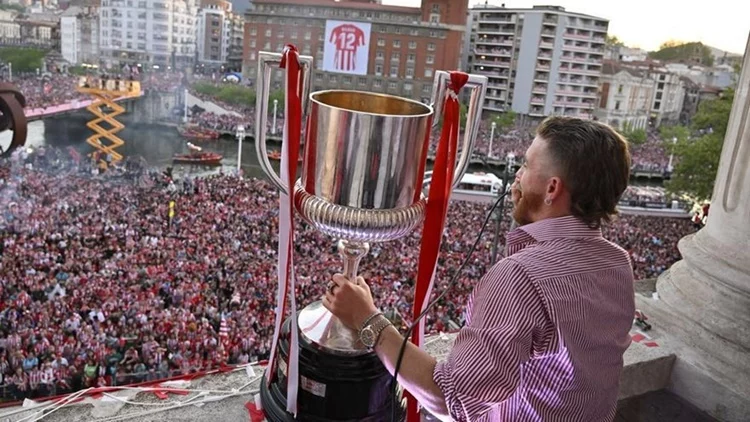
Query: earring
[{"x": 547, "y": 201}]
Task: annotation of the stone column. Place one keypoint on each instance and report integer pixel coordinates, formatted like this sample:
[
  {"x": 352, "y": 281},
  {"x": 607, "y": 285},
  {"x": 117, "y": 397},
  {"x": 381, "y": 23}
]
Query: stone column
[{"x": 704, "y": 304}]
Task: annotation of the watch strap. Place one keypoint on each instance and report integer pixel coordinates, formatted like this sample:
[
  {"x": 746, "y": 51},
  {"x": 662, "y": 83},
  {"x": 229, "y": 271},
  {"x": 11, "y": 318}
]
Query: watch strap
[
  {"x": 379, "y": 324},
  {"x": 369, "y": 319}
]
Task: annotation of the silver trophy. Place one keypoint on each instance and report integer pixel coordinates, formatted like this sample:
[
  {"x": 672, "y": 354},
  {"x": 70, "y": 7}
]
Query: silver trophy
[{"x": 362, "y": 174}]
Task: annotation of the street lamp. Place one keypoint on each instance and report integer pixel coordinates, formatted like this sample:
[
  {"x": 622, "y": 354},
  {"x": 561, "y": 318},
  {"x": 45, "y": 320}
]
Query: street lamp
[
  {"x": 671, "y": 155},
  {"x": 492, "y": 137},
  {"x": 273, "y": 127},
  {"x": 240, "y": 137},
  {"x": 508, "y": 175}
]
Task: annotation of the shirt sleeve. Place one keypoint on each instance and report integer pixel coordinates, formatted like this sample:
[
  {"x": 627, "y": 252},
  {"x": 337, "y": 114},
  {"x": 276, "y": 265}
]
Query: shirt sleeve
[{"x": 482, "y": 369}]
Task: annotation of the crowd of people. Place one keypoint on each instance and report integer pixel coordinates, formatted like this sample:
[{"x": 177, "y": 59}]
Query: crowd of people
[{"x": 100, "y": 286}]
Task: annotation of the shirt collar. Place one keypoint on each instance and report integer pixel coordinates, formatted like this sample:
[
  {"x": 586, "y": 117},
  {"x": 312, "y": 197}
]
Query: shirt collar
[{"x": 568, "y": 227}]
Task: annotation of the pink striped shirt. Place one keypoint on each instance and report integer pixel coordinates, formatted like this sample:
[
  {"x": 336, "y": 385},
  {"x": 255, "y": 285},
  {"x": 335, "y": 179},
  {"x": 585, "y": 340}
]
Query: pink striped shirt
[{"x": 546, "y": 330}]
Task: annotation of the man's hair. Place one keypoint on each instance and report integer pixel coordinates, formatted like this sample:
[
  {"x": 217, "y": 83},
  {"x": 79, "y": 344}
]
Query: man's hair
[{"x": 594, "y": 161}]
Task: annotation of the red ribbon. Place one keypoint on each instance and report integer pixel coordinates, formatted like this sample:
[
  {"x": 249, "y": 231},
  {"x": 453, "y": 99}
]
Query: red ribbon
[{"x": 437, "y": 208}]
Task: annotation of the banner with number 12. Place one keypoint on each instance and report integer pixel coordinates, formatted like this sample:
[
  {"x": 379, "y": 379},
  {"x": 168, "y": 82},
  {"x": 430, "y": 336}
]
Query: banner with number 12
[{"x": 347, "y": 47}]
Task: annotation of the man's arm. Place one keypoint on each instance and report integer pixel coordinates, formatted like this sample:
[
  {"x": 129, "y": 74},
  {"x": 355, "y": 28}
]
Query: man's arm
[{"x": 415, "y": 373}]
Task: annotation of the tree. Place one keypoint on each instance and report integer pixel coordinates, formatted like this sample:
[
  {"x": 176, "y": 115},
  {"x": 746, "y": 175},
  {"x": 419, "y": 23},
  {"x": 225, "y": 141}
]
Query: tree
[
  {"x": 463, "y": 111},
  {"x": 671, "y": 43},
  {"x": 23, "y": 59},
  {"x": 634, "y": 136},
  {"x": 678, "y": 51},
  {"x": 698, "y": 157},
  {"x": 613, "y": 41},
  {"x": 504, "y": 120}
]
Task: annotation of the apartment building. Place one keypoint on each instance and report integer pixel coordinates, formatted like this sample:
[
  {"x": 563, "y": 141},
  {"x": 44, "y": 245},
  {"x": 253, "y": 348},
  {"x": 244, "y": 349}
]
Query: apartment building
[
  {"x": 160, "y": 33},
  {"x": 214, "y": 35},
  {"x": 390, "y": 49},
  {"x": 625, "y": 97},
  {"x": 540, "y": 61},
  {"x": 79, "y": 35}
]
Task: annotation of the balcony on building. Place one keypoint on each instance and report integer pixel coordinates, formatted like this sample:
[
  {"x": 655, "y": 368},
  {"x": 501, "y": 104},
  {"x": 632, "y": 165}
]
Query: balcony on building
[
  {"x": 484, "y": 39},
  {"x": 498, "y": 18},
  {"x": 536, "y": 111},
  {"x": 495, "y": 51},
  {"x": 577, "y": 34},
  {"x": 495, "y": 29}
]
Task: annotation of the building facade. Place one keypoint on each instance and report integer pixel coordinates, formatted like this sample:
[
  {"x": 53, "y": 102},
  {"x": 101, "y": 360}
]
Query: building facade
[
  {"x": 540, "y": 61},
  {"x": 79, "y": 35},
  {"x": 236, "y": 36},
  {"x": 10, "y": 30},
  {"x": 214, "y": 31},
  {"x": 625, "y": 97},
  {"x": 669, "y": 95},
  {"x": 407, "y": 45},
  {"x": 160, "y": 33}
]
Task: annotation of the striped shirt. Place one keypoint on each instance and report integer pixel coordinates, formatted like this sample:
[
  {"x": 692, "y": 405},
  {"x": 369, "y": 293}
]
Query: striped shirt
[{"x": 546, "y": 329}]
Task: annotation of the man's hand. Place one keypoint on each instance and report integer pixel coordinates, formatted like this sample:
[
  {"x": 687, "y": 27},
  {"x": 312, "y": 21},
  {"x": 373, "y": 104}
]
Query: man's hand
[{"x": 350, "y": 301}]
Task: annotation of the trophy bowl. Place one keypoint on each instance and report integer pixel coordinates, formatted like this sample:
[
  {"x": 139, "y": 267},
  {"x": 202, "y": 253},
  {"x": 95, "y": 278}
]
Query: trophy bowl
[{"x": 363, "y": 169}]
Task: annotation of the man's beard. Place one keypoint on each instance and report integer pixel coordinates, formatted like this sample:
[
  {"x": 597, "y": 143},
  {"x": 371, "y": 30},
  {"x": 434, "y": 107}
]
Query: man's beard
[{"x": 527, "y": 204}]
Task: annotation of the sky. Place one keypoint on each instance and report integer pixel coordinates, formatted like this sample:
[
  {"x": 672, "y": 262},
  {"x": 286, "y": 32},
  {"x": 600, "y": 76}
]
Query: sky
[{"x": 724, "y": 24}]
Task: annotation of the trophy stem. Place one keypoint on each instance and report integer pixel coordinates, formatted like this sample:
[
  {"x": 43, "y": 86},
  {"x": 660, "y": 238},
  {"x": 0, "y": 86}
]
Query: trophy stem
[{"x": 352, "y": 253}]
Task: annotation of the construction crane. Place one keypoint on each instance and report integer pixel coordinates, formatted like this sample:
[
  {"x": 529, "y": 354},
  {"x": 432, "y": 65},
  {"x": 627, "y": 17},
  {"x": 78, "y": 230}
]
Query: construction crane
[{"x": 106, "y": 93}]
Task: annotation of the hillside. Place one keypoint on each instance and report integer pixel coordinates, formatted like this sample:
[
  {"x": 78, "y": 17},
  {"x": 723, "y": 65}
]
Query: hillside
[{"x": 688, "y": 53}]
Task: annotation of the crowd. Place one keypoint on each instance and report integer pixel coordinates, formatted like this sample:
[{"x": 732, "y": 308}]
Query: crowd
[
  {"x": 99, "y": 286},
  {"x": 51, "y": 90}
]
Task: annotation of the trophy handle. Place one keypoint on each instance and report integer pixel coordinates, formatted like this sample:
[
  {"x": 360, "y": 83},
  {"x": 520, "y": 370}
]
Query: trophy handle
[
  {"x": 266, "y": 62},
  {"x": 478, "y": 86}
]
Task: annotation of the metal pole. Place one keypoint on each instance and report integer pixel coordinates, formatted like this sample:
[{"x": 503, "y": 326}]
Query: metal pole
[
  {"x": 671, "y": 156},
  {"x": 240, "y": 136},
  {"x": 185, "y": 111},
  {"x": 492, "y": 137},
  {"x": 273, "y": 127},
  {"x": 10, "y": 72}
]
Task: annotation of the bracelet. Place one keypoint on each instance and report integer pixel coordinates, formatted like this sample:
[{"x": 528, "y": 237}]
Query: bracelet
[{"x": 370, "y": 318}]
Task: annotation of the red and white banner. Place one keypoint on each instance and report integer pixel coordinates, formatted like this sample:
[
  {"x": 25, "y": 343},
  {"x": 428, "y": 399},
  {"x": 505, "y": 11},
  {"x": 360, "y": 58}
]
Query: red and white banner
[{"x": 347, "y": 47}]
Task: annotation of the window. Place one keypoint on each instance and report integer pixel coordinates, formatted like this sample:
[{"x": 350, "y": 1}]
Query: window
[
  {"x": 428, "y": 72},
  {"x": 619, "y": 89},
  {"x": 381, "y": 42},
  {"x": 435, "y": 8},
  {"x": 308, "y": 35},
  {"x": 252, "y": 43},
  {"x": 253, "y": 31},
  {"x": 407, "y": 86},
  {"x": 430, "y": 59},
  {"x": 268, "y": 32},
  {"x": 392, "y": 86},
  {"x": 396, "y": 43},
  {"x": 394, "y": 71},
  {"x": 412, "y": 45},
  {"x": 617, "y": 104},
  {"x": 433, "y": 34},
  {"x": 431, "y": 46},
  {"x": 657, "y": 105},
  {"x": 410, "y": 57},
  {"x": 378, "y": 70},
  {"x": 379, "y": 55},
  {"x": 363, "y": 81},
  {"x": 348, "y": 80},
  {"x": 377, "y": 83},
  {"x": 409, "y": 73},
  {"x": 294, "y": 35},
  {"x": 395, "y": 56},
  {"x": 280, "y": 34},
  {"x": 332, "y": 79}
]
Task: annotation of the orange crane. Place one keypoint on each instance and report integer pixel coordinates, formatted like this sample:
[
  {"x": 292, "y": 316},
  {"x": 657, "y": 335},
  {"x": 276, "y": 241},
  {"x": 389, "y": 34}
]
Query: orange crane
[{"x": 105, "y": 93}]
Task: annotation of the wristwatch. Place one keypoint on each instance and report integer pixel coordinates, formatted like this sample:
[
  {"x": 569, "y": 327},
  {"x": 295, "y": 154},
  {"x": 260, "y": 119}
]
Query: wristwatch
[{"x": 370, "y": 333}]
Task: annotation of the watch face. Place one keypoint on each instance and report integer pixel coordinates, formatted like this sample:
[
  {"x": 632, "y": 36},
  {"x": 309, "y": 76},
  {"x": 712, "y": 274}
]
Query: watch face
[{"x": 367, "y": 336}]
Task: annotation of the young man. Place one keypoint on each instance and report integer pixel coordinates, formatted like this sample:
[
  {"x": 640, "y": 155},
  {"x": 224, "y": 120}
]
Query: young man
[{"x": 546, "y": 326}]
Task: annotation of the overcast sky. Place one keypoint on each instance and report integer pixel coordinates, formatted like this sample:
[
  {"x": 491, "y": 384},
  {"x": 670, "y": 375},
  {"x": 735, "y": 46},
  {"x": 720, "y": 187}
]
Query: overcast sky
[{"x": 723, "y": 24}]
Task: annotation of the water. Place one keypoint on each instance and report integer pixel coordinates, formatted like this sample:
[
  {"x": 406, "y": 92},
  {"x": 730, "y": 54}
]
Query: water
[{"x": 157, "y": 144}]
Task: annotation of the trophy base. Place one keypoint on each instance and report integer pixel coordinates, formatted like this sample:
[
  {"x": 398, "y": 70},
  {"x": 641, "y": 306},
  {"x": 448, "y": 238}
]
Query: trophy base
[{"x": 332, "y": 387}]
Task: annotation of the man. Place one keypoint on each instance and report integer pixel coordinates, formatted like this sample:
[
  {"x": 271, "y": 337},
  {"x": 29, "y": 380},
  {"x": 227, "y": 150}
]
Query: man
[{"x": 546, "y": 326}]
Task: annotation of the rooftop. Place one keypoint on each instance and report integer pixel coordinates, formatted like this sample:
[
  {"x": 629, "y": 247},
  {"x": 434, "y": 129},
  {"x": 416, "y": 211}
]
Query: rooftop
[{"x": 341, "y": 5}]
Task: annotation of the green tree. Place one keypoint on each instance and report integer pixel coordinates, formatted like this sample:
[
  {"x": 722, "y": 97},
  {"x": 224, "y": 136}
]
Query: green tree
[
  {"x": 463, "y": 111},
  {"x": 698, "y": 157},
  {"x": 613, "y": 41},
  {"x": 634, "y": 136},
  {"x": 504, "y": 120},
  {"x": 683, "y": 52},
  {"x": 23, "y": 59}
]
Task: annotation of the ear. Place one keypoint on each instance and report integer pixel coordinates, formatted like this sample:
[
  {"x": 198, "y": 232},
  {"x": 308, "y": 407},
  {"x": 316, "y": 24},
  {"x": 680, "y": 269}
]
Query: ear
[{"x": 554, "y": 188}]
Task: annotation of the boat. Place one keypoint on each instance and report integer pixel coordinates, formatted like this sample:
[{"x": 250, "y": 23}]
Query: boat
[
  {"x": 276, "y": 156},
  {"x": 198, "y": 133},
  {"x": 198, "y": 156}
]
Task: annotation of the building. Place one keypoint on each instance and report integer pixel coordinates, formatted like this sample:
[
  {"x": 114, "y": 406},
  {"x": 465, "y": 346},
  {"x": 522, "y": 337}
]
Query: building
[
  {"x": 40, "y": 29},
  {"x": 691, "y": 101},
  {"x": 625, "y": 97},
  {"x": 10, "y": 30},
  {"x": 669, "y": 95},
  {"x": 540, "y": 61},
  {"x": 214, "y": 31},
  {"x": 390, "y": 49},
  {"x": 160, "y": 33},
  {"x": 79, "y": 35},
  {"x": 236, "y": 36}
]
